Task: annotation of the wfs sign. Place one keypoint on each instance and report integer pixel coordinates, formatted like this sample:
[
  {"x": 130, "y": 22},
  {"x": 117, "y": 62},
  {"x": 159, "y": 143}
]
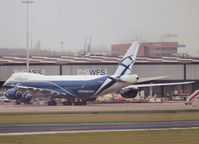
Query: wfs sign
[
  {"x": 92, "y": 71},
  {"x": 36, "y": 71}
]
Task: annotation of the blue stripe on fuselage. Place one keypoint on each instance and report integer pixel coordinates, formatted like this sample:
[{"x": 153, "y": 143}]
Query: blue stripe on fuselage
[
  {"x": 85, "y": 88},
  {"x": 108, "y": 85}
]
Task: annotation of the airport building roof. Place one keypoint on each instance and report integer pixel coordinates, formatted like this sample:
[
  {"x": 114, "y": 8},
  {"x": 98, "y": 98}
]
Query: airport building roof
[{"x": 8, "y": 60}]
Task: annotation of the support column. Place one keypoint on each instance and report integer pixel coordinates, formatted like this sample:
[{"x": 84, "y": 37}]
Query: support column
[
  {"x": 60, "y": 69},
  {"x": 162, "y": 91},
  {"x": 185, "y": 76}
]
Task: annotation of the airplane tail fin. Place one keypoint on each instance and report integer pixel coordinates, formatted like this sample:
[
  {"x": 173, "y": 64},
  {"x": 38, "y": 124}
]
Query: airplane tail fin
[
  {"x": 125, "y": 65},
  {"x": 192, "y": 97}
]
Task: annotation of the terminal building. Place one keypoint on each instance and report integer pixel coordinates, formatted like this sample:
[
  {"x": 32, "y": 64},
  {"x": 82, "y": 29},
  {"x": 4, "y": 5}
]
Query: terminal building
[
  {"x": 148, "y": 49},
  {"x": 177, "y": 69}
]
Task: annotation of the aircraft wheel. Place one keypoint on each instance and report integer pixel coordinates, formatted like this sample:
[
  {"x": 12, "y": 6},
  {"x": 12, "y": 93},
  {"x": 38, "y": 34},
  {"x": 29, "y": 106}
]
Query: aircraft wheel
[
  {"x": 78, "y": 101},
  {"x": 17, "y": 102},
  {"x": 84, "y": 102},
  {"x": 67, "y": 103},
  {"x": 52, "y": 102}
]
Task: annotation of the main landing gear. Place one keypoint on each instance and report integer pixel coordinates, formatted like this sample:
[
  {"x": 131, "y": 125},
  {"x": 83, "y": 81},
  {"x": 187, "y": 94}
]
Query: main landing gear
[
  {"x": 52, "y": 102},
  {"x": 75, "y": 101},
  {"x": 64, "y": 101},
  {"x": 78, "y": 101}
]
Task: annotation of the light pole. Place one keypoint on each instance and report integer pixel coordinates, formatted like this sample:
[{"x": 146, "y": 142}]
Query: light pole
[
  {"x": 62, "y": 46},
  {"x": 27, "y": 2}
]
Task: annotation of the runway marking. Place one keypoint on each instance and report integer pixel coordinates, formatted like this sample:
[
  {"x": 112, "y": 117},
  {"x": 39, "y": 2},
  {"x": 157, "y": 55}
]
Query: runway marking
[{"x": 92, "y": 131}]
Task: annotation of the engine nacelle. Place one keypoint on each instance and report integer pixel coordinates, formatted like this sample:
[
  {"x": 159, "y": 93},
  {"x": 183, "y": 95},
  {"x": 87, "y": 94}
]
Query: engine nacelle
[
  {"x": 26, "y": 98},
  {"x": 18, "y": 96},
  {"x": 10, "y": 93},
  {"x": 128, "y": 93}
]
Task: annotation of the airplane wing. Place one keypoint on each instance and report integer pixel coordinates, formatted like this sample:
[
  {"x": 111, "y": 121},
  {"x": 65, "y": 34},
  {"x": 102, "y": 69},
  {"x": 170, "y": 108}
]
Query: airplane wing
[
  {"x": 37, "y": 92},
  {"x": 136, "y": 86}
]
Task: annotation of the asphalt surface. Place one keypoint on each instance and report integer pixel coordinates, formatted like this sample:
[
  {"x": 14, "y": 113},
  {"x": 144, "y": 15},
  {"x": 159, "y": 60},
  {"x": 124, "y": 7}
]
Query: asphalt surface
[
  {"x": 99, "y": 107},
  {"x": 23, "y": 128}
]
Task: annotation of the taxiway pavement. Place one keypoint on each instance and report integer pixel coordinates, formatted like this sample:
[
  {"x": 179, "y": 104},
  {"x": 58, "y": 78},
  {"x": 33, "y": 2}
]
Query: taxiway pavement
[
  {"x": 99, "y": 107},
  {"x": 79, "y": 127}
]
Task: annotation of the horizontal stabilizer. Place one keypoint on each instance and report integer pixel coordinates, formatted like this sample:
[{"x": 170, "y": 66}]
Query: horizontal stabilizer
[
  {"x": 114, "y": 79},
  {"x": 131, "y": 79},
  {"x": 150, "y": 79}
]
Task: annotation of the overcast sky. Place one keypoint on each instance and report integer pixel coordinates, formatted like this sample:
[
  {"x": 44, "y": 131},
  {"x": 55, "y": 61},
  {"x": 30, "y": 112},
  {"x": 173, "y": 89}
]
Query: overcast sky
[{"x": 106, "y": 21}]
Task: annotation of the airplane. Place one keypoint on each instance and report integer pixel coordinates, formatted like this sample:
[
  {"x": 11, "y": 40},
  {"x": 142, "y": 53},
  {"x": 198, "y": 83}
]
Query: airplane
[
  {"x": 77, "y": 89},
  {"x": 192, "y": 98}
]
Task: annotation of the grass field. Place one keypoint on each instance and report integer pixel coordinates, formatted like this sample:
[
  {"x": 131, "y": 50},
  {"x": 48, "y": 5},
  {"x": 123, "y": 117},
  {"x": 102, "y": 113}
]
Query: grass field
[
  {"x": 184, "y": 136},
  {"x": 115, "y": 116}
]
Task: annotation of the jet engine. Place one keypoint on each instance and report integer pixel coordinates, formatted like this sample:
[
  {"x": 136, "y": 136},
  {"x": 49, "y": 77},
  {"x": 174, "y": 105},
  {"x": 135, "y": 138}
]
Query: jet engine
[
  {"x": 19, "y": 96},
  {"x": 128, "y": 93},
  {"x": 10, "y": 93}
]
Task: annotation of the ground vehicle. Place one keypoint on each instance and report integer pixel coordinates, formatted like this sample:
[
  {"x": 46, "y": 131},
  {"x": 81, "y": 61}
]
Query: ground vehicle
[{"x": 4, "y": 99}]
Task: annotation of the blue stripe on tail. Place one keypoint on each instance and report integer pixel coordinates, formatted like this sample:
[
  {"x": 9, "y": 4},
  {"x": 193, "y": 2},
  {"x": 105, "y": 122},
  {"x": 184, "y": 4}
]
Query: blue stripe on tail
[{"x": 127, "y": 66}]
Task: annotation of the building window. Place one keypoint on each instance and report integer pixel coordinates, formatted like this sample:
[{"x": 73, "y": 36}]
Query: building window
[
  {"x": 165, "y": 49},
  {"x": 116, "y": 49}
]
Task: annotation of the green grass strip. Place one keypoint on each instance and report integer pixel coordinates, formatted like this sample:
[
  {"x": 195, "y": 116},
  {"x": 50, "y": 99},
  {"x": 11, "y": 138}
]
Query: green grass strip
[
  {"x": 98, "y": 112},
  {"x": 184, "y": 136}
]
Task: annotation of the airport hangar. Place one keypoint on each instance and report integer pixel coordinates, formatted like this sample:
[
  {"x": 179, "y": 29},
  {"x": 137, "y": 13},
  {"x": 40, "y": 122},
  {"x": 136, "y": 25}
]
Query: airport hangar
[{"x": 177, "y": 69}]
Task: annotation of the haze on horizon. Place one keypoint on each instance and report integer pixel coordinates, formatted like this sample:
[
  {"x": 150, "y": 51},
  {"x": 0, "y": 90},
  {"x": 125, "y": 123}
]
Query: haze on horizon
[{"x": 105, "y": 21}]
